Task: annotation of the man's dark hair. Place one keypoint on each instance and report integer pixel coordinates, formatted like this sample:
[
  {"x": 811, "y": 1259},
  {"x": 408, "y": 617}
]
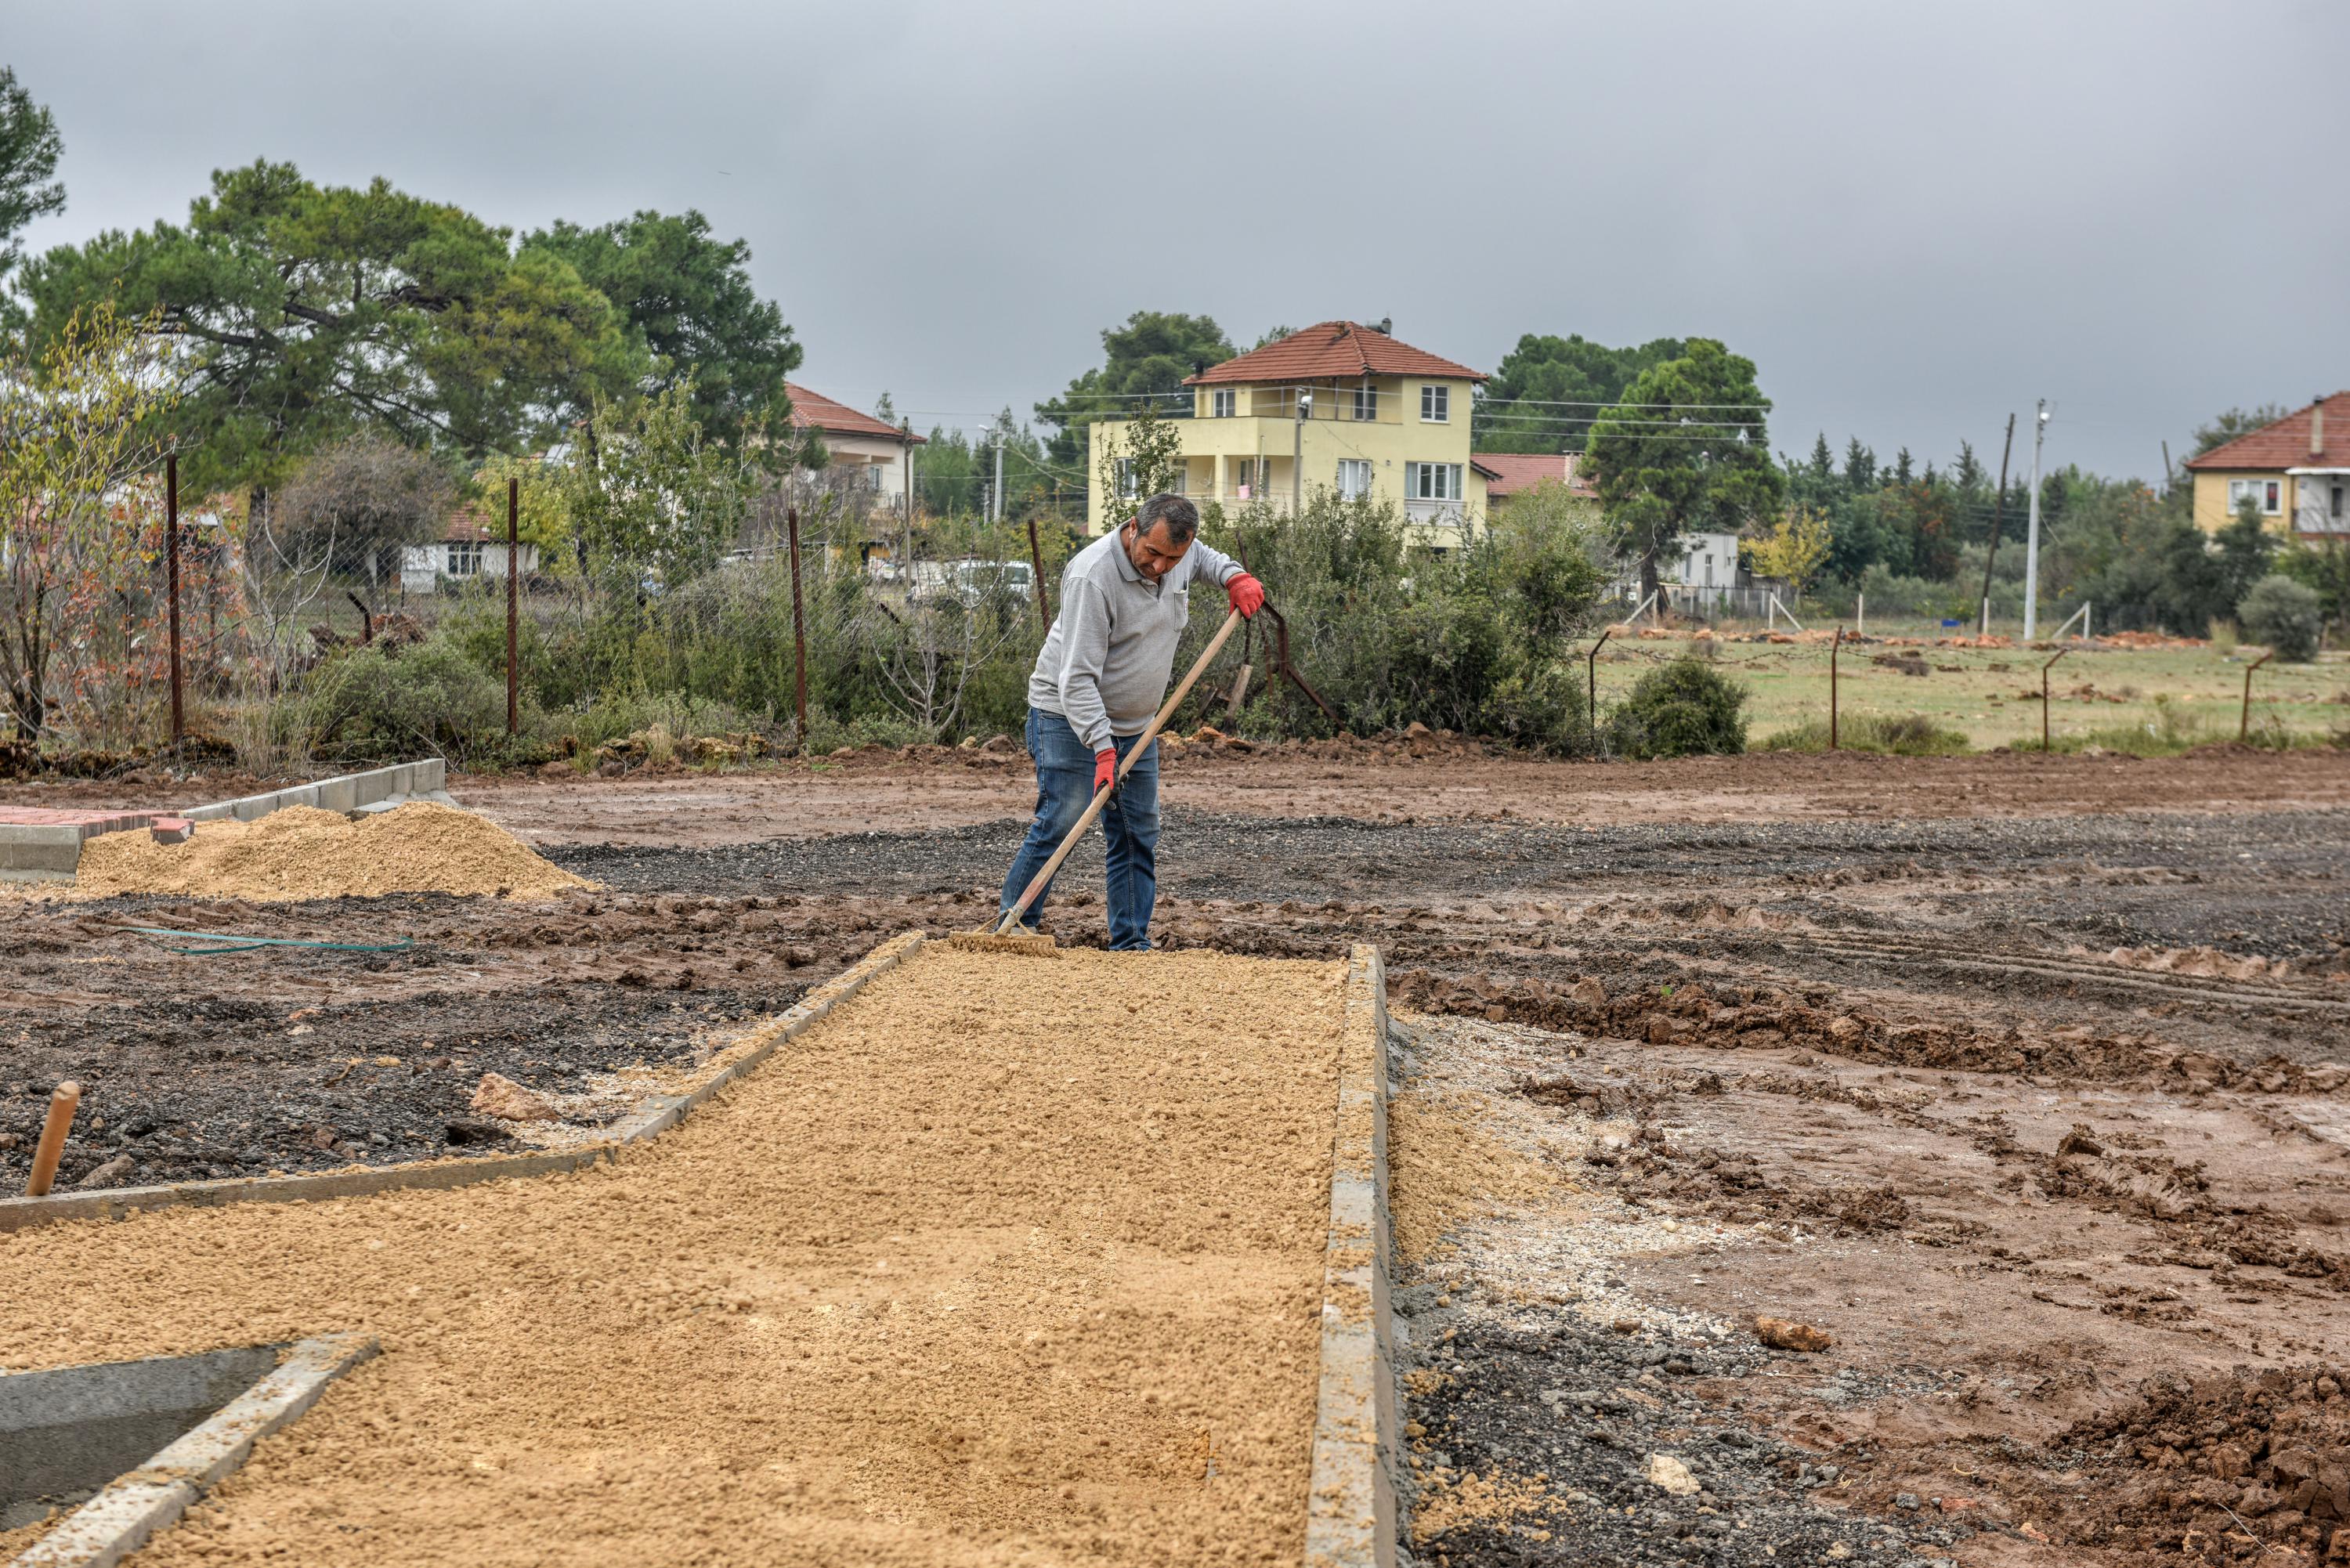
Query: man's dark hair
[{"x": 1182, "y": 518}]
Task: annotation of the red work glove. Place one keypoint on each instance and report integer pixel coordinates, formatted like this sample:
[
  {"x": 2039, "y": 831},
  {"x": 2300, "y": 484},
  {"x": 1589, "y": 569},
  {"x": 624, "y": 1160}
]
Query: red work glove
[
  {"x": 1105, "y": 769},
  {"x": 1246, "y": 593}
]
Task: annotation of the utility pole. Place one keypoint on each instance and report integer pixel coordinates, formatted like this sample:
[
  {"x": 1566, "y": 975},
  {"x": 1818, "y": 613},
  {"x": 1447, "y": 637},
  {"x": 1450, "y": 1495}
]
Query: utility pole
[
  {"x": 906, "y": 439},
  {"x": 2032, "y": 536},
  {"x": 1998, "y": 515},
  {"x": 1297, "y": 452},
  {"x": 998, "y": 497}
]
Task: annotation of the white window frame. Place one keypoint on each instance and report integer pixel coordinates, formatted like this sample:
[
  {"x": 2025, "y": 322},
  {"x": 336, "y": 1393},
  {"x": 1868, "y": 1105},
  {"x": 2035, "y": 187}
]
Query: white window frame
[
  {"x": 1222, "y": 402},
  {"x": 1438, "y": 482},
  {"x": 1353, "y": 478},
  {"x": 1126, "y": 477},
  {"x": 1435, "y": 403},
  {"x": 2269, "y": 493},
  {"x": 1366, "y": 403},
  {"x": 466, "y": 557}
]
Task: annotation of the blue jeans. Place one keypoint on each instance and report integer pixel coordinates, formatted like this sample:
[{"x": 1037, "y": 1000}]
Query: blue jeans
[{"x": 1064, "y": 783}]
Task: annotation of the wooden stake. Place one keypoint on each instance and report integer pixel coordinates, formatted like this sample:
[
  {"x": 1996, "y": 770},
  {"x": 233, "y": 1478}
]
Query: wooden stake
[{"x": 52, "y": 1146}]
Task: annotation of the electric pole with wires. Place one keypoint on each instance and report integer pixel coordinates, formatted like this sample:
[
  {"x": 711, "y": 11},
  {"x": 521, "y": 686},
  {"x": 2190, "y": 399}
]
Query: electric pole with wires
[{"x": 2031, "y": 534}]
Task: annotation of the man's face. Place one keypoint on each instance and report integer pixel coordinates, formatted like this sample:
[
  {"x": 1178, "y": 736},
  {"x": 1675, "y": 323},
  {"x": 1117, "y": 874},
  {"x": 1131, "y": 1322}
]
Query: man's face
[{"x": 1154, "y": 554}]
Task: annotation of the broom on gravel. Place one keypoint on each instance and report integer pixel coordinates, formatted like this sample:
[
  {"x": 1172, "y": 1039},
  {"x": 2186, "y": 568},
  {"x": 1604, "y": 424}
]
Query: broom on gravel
[{"x": 1004, "y": 936}]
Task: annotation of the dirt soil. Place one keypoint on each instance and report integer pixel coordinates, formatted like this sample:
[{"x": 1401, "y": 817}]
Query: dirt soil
[
  {"x": 1077, "y": 1318},
  {"x": 1833, "y": 1019}
]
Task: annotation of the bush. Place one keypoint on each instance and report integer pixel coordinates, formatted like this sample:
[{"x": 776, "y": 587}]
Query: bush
[
  {"x": 2283, "y": 616},
  {"x": 430, "y": 699},
  {"x": 1904, "y": 735},
  {"x": 1684, "y": 710}
]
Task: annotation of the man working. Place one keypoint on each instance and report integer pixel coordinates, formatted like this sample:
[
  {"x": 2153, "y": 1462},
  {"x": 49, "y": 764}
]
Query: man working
[{"x": 1101, "y": 675}]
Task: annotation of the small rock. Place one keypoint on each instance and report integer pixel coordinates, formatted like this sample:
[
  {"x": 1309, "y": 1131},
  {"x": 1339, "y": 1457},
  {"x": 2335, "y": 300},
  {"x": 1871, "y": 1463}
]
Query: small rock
[
  {"x": 500, "y": 1096},
  {"x": 1669, "y": 1474},
  {"x": 1786, "y": 1333},
  {"x": 107, "y": 1175},
  {"x": 472, "y": 1129},
  {"x": 1906, "y": 1501}
]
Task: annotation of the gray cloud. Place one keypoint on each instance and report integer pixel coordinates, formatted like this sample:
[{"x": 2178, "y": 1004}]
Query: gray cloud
[{"x": 1913, "y": 217}]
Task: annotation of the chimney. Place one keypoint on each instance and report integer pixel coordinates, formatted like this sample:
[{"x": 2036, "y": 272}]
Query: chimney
[{"x": 2317, "y": 426}]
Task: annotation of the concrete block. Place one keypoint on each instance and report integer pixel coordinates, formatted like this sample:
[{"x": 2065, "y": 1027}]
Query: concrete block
[
  {"x": 431, "y": 773},
  {"x": 169, "y": 829},
  {"x": 338, "y": 793},
  {"x": 122, "y": 1518},
  {"x": 1351, "y": 1507}
]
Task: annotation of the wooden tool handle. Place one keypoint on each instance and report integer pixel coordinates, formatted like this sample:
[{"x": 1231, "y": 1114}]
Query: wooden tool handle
[
  {"x": 1134, "y": 755},
  {"x": 52, "y": 1145}
]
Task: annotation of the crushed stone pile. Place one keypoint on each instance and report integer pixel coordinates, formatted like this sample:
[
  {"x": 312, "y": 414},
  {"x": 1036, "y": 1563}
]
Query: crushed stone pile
[{"x": 302, "y": 852}]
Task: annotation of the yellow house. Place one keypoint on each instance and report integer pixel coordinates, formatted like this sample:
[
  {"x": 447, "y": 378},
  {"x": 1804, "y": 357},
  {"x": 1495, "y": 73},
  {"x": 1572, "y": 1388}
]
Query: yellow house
[
  {"x": 2294, "y": 471},
  {"x": 1339, "y": 406}
]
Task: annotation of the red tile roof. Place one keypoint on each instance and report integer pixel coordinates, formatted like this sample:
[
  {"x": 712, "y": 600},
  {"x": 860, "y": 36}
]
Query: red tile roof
[
  {"x": 2285, "y": 445},
  {"x": 814, "y": 411},
  {"x": 1511, "y": 472},
  {"x": 1331, "y": 350}
]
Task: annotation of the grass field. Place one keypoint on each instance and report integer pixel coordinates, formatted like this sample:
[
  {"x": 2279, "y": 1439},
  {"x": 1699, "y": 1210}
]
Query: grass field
[{"x": 2148, "y": 700}]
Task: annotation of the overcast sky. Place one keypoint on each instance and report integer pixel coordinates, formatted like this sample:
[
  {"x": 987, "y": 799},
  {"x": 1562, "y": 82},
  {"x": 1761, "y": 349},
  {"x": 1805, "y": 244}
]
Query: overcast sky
[{"x": 1914, "y": 217}]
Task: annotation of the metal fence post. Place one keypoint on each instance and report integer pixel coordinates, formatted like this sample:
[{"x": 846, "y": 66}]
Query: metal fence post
[
  {"x": 1036, "y": 565},
  {"x": 799, "y": 629},
  {"x": 1591, "y": 674},
  {"x": 171, "y": 555},
  {"x": 1834, "y": 648},
  {"x": 2244, "y": 723},
  {"x": 513, "y": 614},
  {"x": 2043, "y": 697}
]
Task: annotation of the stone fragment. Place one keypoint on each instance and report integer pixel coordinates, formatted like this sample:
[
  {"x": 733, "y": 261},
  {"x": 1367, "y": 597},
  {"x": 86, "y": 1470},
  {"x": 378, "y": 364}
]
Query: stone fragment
[
  {"x": 1669, "y": 1474},
  {"x": 1786, "y": 1333},
  {"x": 500, "y": 1096},
  {"x": 107, "y": 1175}
]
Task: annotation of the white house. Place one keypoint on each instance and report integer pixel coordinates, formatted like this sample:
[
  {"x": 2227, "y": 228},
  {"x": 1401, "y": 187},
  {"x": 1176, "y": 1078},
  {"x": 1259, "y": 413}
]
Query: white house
[
  {"x": 468, "y": 548},
  {"x": 877, "y": 457}
]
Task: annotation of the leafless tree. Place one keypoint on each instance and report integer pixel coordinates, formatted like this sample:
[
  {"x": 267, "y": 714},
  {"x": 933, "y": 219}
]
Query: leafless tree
[{"x": 357, "y": 505}]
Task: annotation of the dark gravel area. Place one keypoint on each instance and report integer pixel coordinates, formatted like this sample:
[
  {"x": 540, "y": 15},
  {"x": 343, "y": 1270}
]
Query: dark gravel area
[
  {"x": 232, "y": 1086},
  {"x": 2277, "y": 884},
  {"x": 1586, "y": 1407}
]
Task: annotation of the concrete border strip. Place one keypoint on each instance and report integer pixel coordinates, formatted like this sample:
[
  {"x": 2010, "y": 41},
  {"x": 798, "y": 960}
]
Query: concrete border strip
[
  {"x": 378, "y": 788},
  {"x": 650, "y": 1120},
  {"x": 119, "y": 1519},
  {"x": 1350, "y": 1506}
]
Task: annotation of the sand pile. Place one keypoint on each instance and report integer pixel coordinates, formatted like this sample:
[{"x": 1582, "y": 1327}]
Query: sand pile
[{"x": 305, "y": 853}]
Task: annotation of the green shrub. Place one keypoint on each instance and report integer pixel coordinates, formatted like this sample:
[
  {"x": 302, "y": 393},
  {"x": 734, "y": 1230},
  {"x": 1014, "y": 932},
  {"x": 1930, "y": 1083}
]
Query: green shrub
[
  {"x": 2283, "y": 616},
  {"x": 425, "y": 699},
  {"x": 1902, "y": 735},
  {"x": 1684, "y": 710}
]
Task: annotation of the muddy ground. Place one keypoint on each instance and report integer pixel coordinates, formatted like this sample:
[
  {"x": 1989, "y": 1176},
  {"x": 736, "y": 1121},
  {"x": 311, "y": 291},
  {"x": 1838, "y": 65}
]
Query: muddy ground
[{"x": 2026, "y": 1080}]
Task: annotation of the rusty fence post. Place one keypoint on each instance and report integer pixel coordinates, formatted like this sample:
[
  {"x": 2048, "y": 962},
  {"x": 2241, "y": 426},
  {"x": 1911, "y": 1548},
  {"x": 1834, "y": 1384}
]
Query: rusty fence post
[
  {"x": 2043, "y": 698},
  {"x": 799, "y": 629},
  {"x": 1036, "y": 565},
  {"x": 1835, "y": 647},
  {"x": 513, "y": 614},
  {"x": 1591, "y": 688},
  {"x": 171, "y": 556},
  {"x": 2244, "y": 722}
]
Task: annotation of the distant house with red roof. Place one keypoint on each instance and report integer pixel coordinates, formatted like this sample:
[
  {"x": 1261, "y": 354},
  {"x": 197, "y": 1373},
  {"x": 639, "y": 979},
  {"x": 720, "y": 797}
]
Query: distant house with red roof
[
  {"x": 2294, "y": 472},
  {"x": 1509, "y": 473},
  {"x": 876, "y": 457},
  {"x": 1339, "y": 406}
]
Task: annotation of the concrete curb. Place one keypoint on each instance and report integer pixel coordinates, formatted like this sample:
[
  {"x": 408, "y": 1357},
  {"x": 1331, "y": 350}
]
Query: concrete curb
[
  {"x": 649, "y": 1121},
  {"x": 1350, "y": 1505},
  {"x": 118, "y": 1520},
  {"x": 378, "y": 787}
]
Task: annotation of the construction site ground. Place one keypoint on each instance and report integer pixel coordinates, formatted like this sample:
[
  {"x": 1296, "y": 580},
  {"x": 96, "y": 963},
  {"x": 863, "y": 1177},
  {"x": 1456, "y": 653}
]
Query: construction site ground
[{"x": 2022, "y": 1078}]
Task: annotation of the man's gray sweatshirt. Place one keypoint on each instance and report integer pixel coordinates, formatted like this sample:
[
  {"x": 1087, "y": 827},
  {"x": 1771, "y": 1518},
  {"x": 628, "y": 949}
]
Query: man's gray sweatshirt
[{"x": 1106, "y": 663}]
